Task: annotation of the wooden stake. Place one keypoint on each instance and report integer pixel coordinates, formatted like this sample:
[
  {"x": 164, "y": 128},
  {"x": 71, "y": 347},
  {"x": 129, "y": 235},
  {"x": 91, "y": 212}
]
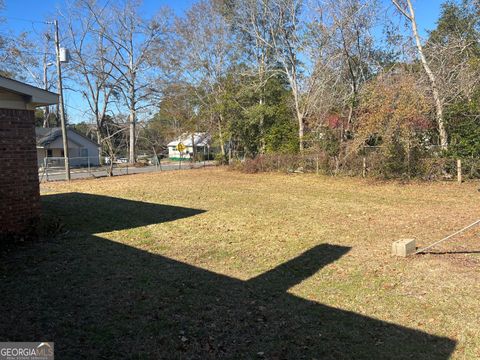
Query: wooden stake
[{"x": 459, "y": 171}]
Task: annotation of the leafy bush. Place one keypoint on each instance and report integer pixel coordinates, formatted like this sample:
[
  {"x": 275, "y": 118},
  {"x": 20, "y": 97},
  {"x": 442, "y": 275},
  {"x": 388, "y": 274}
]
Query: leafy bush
[
  {"x": 393, "y": 162},
  {"x": 463, "y": 125}
]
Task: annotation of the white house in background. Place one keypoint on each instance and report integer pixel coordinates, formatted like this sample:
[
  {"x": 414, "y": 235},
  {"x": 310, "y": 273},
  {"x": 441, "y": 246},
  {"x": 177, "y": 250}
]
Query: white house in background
[
  {"x": 82, "y": 150},
  {"x": 202, "y": 143}
]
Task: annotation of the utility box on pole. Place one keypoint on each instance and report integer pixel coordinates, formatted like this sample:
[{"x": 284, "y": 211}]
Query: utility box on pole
[{"x": 64, "y": 55}]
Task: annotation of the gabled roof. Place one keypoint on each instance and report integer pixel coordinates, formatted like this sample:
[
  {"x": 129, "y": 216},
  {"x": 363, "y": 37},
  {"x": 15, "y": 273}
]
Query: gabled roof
[
  {"x": 45, "y": 136},
  {"x": 200, "y": 139},
  {"x": 32, "y": 95}
]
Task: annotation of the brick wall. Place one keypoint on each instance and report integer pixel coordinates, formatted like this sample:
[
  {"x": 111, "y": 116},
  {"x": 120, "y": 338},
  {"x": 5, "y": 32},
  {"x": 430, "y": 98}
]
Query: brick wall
[{"x": 19, "y": 188}]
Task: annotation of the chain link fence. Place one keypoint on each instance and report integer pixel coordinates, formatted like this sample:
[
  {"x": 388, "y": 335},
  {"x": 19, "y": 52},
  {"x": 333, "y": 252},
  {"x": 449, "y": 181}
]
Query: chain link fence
[
  {"x": 53, "y": 168},
  {"x": 371, "y": 163}
]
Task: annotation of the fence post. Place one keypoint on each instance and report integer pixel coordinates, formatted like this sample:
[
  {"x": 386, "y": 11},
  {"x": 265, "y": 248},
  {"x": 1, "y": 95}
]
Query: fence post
[
  {"x": 364, "y": 167},
  {"x": 45, "y": 167},
  {"x": 459, "y": 171},
  {"x": 88, "y": 162}
]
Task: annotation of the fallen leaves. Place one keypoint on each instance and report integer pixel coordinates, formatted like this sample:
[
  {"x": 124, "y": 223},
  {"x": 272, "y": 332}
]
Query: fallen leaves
[{"x": 253, "y": 223}]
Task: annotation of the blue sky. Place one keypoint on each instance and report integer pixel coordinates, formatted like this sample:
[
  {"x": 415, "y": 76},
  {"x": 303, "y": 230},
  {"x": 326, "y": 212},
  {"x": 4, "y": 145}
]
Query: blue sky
[
  {"x": 427, "y": 11},
  {"x": 17, "y": 12}
]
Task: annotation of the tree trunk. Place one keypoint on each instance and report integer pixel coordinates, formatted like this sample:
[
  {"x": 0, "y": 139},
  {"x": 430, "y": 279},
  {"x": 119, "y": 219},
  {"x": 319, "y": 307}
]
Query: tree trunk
[
  {"x": 230, "y": 155},
  {"x": 262, "y": 126},
  {"x": 353, "y": 101},
  {"x": 132, "y": 159},
  {"x": 220, "y": 136},
  {"x": 301, "y": 130},
  {"x": 194, "y": 148},
  {"x": 99, "y": 142},
  {"x": 431, "y": 76},
  {"x": 111, "y": 155},
  {"x": 46, "y": 117},
  {"x": 131, "y": 148},
  {"x": 261, "y": 103},
  {"x": 299, "y": 112}
]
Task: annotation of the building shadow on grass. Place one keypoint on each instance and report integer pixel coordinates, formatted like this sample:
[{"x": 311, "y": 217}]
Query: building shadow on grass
[
  {"x": 101, "y": 299},
  {"x": 94, "y": 214}
]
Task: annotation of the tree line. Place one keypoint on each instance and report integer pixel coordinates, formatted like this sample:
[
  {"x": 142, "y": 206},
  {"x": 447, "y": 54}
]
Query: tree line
[{"x": 333, "y": 77}]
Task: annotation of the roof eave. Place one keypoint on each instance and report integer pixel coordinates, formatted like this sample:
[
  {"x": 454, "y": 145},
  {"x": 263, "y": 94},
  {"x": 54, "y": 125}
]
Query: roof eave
[{"x": 34, "y": 96}]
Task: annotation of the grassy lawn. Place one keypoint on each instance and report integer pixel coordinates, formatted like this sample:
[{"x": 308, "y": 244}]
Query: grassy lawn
[{"x": 217, "y": 264}]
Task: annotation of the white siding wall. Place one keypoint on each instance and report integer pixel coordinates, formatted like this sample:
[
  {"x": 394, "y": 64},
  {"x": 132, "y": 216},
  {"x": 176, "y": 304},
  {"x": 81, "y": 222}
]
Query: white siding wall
[
  {"x": 77, "y": 146},
  {"x": 91, "y": 148},
  {"x": 173, "y": 153}
]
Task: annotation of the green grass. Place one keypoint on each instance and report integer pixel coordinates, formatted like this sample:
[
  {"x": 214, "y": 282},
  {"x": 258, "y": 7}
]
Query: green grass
[{"x": 218, "y": 264}]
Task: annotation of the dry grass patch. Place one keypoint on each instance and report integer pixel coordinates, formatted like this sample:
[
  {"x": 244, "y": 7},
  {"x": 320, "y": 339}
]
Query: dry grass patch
[{"x": 241, "y": 226}]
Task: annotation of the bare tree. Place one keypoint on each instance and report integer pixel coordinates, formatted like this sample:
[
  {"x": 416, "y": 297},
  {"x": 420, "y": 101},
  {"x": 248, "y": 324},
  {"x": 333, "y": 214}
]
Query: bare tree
[
  {"x": 455, "y": 69},
  {"x": 18, "y": 59},
  {"x": 250, "y": 19},
  {"x": 92, "y": 63},
  {"x": 286, "y": 31},
  {"x": 46, "y": 62},
  {"x": 351, "y": 39},
  {"x": 203, "y": 53},
  {"x": 132, "y": 37},
  {"x": 115, "y": 138},
  {"x": 453, "y": 49},
  {"x": 406, "y": 9},
  {"x": 293, "y": 47}
]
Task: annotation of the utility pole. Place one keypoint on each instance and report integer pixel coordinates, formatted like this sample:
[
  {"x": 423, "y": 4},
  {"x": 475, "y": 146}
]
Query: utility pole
[
  {"x": 46, "y": 118},
  {"x": 61, "y": 108}
]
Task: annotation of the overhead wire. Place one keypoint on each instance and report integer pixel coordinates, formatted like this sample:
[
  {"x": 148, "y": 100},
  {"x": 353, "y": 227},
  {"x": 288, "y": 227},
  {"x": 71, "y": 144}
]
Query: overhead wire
[{"x": 25, "y": 20}]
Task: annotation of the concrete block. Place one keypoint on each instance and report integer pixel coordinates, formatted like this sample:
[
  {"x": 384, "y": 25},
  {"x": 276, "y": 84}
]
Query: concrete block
[{"x": 404, "y": 247}]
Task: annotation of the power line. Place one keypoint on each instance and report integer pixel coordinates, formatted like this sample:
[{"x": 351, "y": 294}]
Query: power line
[
  {"x": 26, "y": 20},
  {"x": 75, "y": 108},
  {"x": 28, "y": 52}
]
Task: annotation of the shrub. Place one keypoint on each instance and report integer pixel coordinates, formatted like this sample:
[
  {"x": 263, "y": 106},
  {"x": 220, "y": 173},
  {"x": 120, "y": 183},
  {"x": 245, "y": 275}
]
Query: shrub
[{"x": 393, "y": 162}]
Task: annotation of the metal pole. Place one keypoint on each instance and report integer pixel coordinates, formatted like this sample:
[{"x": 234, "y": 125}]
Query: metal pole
[
  {"x": 46, "y": 117},
  {"x": 61, "y": 108}
]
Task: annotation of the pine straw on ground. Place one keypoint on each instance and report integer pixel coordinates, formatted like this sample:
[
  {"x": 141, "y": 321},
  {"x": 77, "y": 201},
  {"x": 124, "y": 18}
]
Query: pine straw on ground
[{"x": 247, "y": 225}]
